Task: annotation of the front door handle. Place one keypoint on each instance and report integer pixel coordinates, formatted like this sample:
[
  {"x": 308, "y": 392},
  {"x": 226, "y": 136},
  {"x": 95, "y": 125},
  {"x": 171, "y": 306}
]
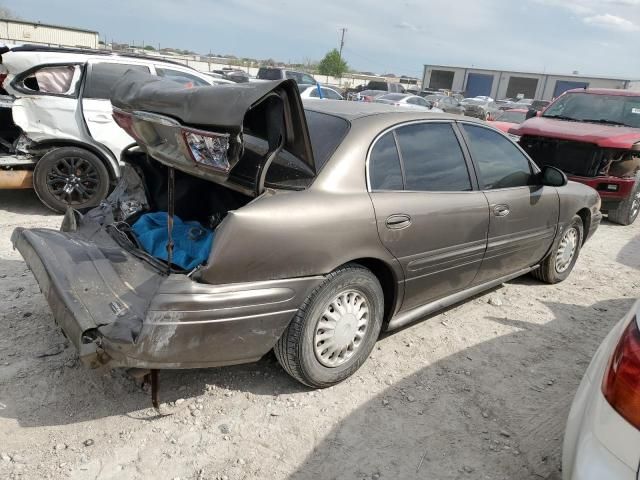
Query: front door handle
[
  {"x": 501, "y": 210},
  {"x": 398, "y": 221}
]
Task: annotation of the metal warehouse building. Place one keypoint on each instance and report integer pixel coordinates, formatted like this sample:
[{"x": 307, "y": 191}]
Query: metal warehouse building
[
  {"x": 18, "y": 31},
  {"x": 502, "y": 84}
]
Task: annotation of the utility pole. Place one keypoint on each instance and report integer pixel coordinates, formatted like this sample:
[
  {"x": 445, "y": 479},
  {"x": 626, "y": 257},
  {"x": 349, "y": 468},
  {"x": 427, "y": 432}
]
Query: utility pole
[
  {"x": 342, "y": 41},
  {"x": 340, "y": 53}
]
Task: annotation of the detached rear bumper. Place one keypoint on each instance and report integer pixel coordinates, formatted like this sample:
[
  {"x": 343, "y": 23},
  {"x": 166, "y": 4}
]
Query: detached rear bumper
[{"x": 119, "y": 311}]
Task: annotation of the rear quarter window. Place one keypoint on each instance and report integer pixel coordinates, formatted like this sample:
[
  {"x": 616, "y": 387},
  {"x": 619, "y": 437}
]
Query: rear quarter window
[{"x": 102, "y": 77}]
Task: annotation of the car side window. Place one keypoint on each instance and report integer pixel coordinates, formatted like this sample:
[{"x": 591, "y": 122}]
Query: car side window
[
  {"x": 308, "y": 79},
  {"x": 412, "y": 101},
  {"x": 313, "y": 93},
  {"x": 184, "y": 78},
  {"x": 384, "y": 164},
  {"x": 331, "y": 94},
  {"x": 501, "y": 163},
  {"x": 52, "y": 80},
  {"x": 104, "y": 75},
  {"x": 432, "y": 158},
  {"x": 420, "y": 101}
]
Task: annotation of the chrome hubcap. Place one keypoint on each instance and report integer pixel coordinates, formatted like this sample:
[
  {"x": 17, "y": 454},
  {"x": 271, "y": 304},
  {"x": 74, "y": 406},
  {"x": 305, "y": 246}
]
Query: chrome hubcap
[
  {"x": 341, "y": 328},
  {"x": 566, "y": 250}
]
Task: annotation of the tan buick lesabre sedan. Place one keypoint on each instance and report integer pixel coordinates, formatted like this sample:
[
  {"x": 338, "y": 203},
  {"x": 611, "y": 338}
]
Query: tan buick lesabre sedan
[{"x": 246, "y": 221}]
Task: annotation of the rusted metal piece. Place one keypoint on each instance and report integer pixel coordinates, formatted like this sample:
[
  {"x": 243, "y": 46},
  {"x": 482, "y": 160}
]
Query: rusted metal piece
[
  {"x": 154, "y": 389},
  {"x": 151, "y": 378},
  {"x": 16, "y": 179}
]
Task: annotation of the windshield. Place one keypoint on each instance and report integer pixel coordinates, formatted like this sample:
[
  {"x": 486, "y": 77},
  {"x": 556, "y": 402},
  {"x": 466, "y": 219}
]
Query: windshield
[
  {"x": 512, "y": 117},
  {"x": 588, "y": 107},
  {"x": 269, "y": 74},
  {"x": 474, "y": 101}
]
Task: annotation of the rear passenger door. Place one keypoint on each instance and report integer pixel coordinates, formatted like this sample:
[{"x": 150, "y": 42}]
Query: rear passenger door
[
  {"x": 429, "y": 215},
  {"x": 523, "y": 212},
  {"x": 96, "y": 103}
]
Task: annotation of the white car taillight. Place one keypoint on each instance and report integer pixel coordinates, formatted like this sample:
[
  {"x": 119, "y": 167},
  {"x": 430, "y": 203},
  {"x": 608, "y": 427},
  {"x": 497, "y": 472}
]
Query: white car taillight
[
  {"x": 621, "y": 383},
  {"x": 208, "y": 149}
]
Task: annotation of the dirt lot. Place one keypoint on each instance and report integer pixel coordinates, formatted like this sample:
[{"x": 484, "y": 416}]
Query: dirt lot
[{"x": 480, "y": 391}]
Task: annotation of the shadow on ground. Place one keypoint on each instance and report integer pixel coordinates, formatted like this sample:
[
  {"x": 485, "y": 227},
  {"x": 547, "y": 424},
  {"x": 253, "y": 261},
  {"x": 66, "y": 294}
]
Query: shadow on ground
[
  {"x": 23, "y": 202},
  {"x": 510, "y": 424}
]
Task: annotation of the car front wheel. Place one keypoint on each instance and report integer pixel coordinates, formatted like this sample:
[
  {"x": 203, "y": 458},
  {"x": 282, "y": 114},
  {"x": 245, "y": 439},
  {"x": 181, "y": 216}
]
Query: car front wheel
[
  {"x": 335, "y": 329},
  {"x": 559, "y": 263}
]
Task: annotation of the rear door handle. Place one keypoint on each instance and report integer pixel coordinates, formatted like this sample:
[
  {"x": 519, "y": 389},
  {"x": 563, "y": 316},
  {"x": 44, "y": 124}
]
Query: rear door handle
[
  {"x": 398, "y": 221},
  {"x": 501, "y": 210}
]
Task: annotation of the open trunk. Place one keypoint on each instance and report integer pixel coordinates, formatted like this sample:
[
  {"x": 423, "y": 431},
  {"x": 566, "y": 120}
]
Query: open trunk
[{"x": 106, "y": 288}]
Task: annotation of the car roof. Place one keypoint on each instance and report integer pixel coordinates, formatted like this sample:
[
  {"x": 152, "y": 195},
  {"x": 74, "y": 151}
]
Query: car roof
[
  {"x": 88, "y": 53},
  {"x": 519, "y": 110},
  {"x": 606, "y": 91},
  {"x": 356, "y": 110}
]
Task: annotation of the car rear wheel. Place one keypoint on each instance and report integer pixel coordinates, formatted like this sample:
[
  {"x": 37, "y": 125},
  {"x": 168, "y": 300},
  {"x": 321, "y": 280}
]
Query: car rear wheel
[
  {"x": 627, "y": 210},
  {"x": 559, "y": 263},
  {"x": 335, "y": 329},
  {"x": 70, "y": 177}
]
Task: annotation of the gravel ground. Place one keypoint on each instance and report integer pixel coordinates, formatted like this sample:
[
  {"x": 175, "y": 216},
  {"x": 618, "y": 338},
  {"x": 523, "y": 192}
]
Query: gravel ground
[{"x": 480, "y": 391}]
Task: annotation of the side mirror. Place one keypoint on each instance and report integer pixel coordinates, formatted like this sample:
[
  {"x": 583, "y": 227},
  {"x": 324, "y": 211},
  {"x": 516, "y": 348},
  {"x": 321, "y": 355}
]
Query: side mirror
[
  {"x": 553, "y": 177},
  {"x": 531, "y": 113},
  {"x": 430, "y": 105}
]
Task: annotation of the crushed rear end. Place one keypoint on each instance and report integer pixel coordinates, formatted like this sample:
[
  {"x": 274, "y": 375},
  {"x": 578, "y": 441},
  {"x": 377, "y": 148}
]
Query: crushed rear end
[{"x": 203, "y": 155}]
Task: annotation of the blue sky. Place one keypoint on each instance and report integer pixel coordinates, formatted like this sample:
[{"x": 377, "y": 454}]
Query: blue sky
[{"x": 591, "y": 36}]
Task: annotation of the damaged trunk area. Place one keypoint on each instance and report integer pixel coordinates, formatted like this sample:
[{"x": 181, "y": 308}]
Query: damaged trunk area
[
  {"x": 124, "y": 279},
  {"x": 148, "y": 197},
  {"x": 581, "y": 158}
]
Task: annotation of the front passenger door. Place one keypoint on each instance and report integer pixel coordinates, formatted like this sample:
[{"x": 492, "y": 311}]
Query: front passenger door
[
  {"x": 523, "y": 212},
  {"x": 428, "y": 214}
]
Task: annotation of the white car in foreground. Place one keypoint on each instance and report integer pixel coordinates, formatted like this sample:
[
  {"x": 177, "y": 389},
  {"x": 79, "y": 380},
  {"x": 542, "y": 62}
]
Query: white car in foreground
[
  {"x": 602, "y": 440},
  {"x": 405, "y": 100}
]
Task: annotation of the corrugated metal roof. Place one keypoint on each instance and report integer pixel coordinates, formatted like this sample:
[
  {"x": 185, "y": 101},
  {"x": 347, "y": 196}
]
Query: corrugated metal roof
[{"x": 39, "y": 24}]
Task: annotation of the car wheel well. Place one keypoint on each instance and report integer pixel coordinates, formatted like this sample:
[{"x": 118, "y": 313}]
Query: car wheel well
[
  {"x": 385, "y": 276},
  {"x": 585, "y": 216},
  {"x": 50, "y": 144}
]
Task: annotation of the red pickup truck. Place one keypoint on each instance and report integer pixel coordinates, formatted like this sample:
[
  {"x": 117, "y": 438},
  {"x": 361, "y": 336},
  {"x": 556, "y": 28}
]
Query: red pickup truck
[{"x": 593, "y": 135}]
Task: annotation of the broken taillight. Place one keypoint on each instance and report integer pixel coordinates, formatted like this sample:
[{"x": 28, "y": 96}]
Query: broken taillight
[
  {"x": 208, "y": 149},
  {"x": 154, "y": 131},
  {"x": 621, "y": 383}
]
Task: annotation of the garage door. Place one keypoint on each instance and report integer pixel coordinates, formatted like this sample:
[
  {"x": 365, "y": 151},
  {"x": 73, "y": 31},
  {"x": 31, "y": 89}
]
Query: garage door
[
  {"x": 441, "y": 79},
  {"x": 522, "y": 86},
  {"x": 562, "y": 86},
  {"x": 479, "y": 84}
]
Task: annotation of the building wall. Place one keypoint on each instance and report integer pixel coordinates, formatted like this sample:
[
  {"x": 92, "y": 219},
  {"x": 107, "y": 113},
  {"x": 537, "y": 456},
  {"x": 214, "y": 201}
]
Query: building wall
[
  {"x": 23, "y": 32},
  {"x": 544, "y": 90}
]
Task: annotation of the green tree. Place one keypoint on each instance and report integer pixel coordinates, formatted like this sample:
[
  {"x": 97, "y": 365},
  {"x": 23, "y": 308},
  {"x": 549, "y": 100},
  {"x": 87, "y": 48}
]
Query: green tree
[
  {"x": 333, "y": 64},
  {"x": 149, "y": 47}
]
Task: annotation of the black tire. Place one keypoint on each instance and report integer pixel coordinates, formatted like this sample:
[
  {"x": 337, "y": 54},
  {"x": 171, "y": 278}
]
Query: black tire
[
  {"x": 627, "y": 211},
  {"x": 295, "y": 349},
  {"x": 78, "y": 169},
  {"x": 548, "y": 271}
]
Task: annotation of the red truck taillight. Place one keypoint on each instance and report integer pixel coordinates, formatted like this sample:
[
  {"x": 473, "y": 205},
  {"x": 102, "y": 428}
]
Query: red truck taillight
[{"x": 621, "y": 383}]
